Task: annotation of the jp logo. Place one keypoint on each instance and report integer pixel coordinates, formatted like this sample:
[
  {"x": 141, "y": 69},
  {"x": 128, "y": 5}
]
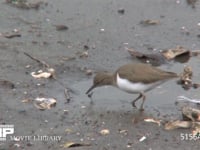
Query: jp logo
[{"x": 5, "y": 130}]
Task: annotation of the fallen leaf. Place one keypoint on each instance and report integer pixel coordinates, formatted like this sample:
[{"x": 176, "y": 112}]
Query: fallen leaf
[
  {"x": 175, "y": 52},
  {"x": 155, "y": 59}
]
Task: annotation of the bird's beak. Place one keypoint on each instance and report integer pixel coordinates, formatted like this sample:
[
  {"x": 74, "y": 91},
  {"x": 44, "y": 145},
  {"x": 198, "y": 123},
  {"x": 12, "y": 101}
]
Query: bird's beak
[{"x": 90, "y": 89}]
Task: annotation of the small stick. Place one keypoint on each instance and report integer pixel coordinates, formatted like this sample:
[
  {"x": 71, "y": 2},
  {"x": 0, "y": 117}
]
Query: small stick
[
  {"x": 37, "y": 60},
  {"x": 67, "y": 95},
  {"x": 66, "y": 91}
]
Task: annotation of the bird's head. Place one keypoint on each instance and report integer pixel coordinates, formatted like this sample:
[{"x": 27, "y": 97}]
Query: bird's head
[{"x": 101, "y": 79}]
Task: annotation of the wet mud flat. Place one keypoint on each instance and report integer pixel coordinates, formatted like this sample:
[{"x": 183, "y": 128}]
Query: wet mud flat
[{"x": 77, "y": 39}]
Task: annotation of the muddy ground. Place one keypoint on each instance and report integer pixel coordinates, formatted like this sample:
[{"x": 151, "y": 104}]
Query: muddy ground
[{"x": 98, "y": 28}]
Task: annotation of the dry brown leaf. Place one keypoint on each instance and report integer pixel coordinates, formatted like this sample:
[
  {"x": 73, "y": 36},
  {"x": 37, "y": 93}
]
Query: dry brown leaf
[{"x": 172, "y": 53}]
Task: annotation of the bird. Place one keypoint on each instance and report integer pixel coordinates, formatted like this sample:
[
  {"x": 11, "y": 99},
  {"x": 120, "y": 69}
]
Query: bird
[{"x": 136, "y": 78}]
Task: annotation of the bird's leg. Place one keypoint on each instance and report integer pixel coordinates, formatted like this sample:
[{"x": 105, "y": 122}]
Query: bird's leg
[
  {"x": 143, "y": 99},
  {"x": 133, "y": 102}
]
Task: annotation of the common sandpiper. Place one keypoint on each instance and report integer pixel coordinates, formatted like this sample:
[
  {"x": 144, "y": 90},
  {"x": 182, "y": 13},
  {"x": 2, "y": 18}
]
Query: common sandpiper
[{"x": 135, "y": 78}]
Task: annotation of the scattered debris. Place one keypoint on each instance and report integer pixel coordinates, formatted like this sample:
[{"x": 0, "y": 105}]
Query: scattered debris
[
  {"x": 6, "y": 84},
  {"x": 155, "y": 59},
  {"x": 153, "y": 120},
  {"x": 73, "y": 144},
  {"x": 11, "y": 35},
  {"x": 184, "y": 98},
  {"x": 196, "y": 85},
  {"x": 191, "y": 114},
  {"x": 104, "y": 132},
  {"x": 121, "y": 11},
  {"x": 61, "y": 27},
  {"x": 192, "y": 3},
  {"x": 45, "y": 103},
  {"x": 26, "y": 100},
  {"x": 17, "y": 145},
  {"x": 142, "y": 138},
  {"x": 88, "y": 72},
  {"x": 41, "y": 74},
  {"x": 125, "y": 132},
  {"x": 178, "y": 54},
  {"x": 177, "y": 124},
  {"x": 186, "y": 77},
  {"x": 129, "y": 145},
  {"x": 149, "y": 22},
  {"x": 68, "y": 131},
  {"x": 83, "y": 54},
  {"x": 66, "y": 111},
  {"x": 102, "y": 30},
  {"x": 191, "y": 119},
  {"x": 68, "y": 58},
  {"x": 24, "y": 4},
  {"x": 195, "y": 52},
  {"x": 196, "y": 131},
  {"x": 86, "y": 47},
  {"x": 175, "y": 52},
  {"x": 67, "y": 95}
]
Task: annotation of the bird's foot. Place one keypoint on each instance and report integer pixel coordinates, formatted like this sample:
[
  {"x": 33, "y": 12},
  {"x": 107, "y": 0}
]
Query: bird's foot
[
  {"x": 133, "y": 104},
  {"x": 90, "y": 95}
]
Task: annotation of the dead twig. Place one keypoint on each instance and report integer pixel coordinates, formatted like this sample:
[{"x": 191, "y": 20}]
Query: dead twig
[
  {"x": 37, "y": 60},
  {"x": 67, "y": 95},
  {"x": 66, "y": 90}
]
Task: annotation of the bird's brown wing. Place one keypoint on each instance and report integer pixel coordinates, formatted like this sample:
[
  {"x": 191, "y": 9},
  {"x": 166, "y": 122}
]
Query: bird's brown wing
[{"x": 144, "y": 73}]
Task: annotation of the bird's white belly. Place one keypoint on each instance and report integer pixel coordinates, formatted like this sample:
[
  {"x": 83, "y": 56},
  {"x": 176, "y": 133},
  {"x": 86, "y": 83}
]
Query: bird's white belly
[{"x": 130, "y": 87}]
